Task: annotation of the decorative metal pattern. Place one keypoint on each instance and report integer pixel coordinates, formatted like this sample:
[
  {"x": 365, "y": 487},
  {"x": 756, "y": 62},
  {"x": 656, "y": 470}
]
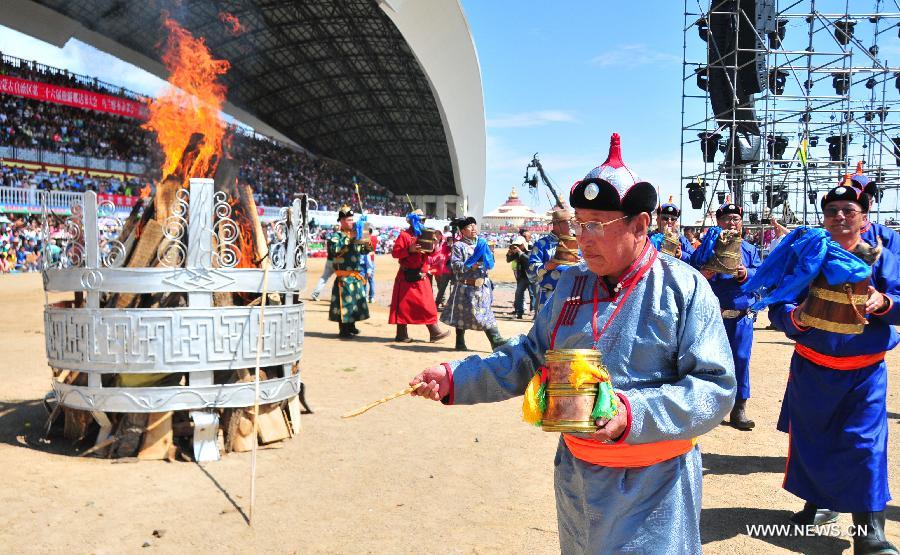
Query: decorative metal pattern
[
  {"x": 161, "y": 399},
  {"x": 73, "y": 254},
  {"x": 112, "y": 251},
  {"x": 170, "y": 340},
  {"x": 226, "y": 253},
  {"x": 171, "y": 252},
  {"x": 173, "y": 280}
]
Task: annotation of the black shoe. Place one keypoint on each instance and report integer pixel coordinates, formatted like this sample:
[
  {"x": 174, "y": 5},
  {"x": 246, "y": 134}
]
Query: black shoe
[
  {"x": 519, "y": 316},
  {"x": 738, "y": 418},
  {"x": 812, "y": 515},
  {"x": 353, "y": 329},
  {"x": 870, "y": 539},
  {"x": 345, "y": 331}
]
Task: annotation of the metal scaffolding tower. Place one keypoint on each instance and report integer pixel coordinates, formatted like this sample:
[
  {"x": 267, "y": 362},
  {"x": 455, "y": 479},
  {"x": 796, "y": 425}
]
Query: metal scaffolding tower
[{"x": 781, "y": 98}]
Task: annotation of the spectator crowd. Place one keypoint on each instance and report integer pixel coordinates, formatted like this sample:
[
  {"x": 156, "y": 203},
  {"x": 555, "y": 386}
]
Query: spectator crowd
[{"x": 275, "y": 171}]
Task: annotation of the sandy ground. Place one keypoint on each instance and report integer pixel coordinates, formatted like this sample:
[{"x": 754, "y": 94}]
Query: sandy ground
[{"x": 409, "y": 477}]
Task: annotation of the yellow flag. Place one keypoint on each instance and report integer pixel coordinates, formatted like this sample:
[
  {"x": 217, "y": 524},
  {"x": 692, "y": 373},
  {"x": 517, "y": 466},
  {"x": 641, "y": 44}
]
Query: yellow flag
[{"x": 804, "y": 144}]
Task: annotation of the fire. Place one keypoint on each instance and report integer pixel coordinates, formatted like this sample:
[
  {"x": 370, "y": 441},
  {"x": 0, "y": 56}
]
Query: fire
[
  {"x": 186, "y": 114},
  {"x": 234, "y": 25}
]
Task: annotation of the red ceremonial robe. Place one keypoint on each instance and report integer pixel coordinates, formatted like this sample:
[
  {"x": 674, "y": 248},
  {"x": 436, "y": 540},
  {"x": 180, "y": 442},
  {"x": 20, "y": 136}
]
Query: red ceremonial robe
[{"x": 412, "y": 302}]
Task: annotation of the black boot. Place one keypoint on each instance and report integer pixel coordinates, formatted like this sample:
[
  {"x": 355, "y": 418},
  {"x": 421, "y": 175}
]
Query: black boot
[
  {"x": 869, "y": 538},
  {"x": 493, "y": 335},
  {"x": 812, "y": 515},
  {"x": 738, "y": 416},
  {"x": 353, "y": 329},
  {"x": 344, "y": 332},
  {"x": 461, "y": 340},
  {"x": 402, "y": 334}
]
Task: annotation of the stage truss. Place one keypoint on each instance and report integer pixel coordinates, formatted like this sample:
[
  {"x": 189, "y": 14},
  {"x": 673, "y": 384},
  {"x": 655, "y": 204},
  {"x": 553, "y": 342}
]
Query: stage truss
[{"x": 761, "y": 78}]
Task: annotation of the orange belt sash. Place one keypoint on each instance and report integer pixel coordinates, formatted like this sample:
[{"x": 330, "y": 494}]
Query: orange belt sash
[
  {"x": 350, "y": 273},
  {"x": 623, "y": 455},
  {"x": 838, "y": 363}
]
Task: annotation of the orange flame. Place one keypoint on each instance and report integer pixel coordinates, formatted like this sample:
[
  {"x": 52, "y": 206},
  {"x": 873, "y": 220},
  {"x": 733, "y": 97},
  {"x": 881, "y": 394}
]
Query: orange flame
[
  {"x": 190, "y": 105},
  {"x": 234, "y": 24}
]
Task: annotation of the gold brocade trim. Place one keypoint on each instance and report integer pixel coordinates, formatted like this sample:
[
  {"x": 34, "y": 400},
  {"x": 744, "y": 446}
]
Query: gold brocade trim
[
  {"x": 735, "y": 255},
  {"x": 572, "y": 426},
  {"x": 826, "y": 325},
  {"x": 732, "y": 314},
  {"x": 565, "y": 390},
  {"x": 562, "y": 355},
  {"x": 836, "y": 297}
]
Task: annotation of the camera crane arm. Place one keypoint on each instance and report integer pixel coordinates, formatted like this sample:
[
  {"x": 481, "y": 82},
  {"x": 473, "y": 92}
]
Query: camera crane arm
[{"x": 539, "y": 171}]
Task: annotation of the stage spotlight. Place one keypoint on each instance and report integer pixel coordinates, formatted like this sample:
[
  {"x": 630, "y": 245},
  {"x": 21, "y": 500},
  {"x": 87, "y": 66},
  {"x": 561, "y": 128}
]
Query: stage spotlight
[
  {"x": 709, "y": 143},
  {"x": 754, "y": 218},
  {"x": 777, "y": 146},
  {"x": 897, "y": 81},
  {"x": 702, "y": 79},
  {"x": 696, "y": 194},
  {"x": 844, "y": 31},
  {"x": 775, "y": 195},
  {"x": 870, "y": 83},
  {"x": 837, "y": 147},
  {"x": 777, "y": 81},
  {"x": 811, "y": 195},
  {"x": 873, "y": 50},
  {"x": 721, "y": 196},
  {"x": 841, "y": 82},
  {"x": 776, "y": 36},
  {"x": 813, "y": 141},
  {"x": 703, "y": 29},
  {"x": 754, "y": 196}
]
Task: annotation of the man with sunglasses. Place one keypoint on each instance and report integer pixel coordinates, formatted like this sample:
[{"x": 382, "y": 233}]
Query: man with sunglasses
[
  {"x": 634, "y": 484},
  {"x": 834, "y": 408},
  {"x": 667, "y": 220},
  {"x": 734, "y": 303}
]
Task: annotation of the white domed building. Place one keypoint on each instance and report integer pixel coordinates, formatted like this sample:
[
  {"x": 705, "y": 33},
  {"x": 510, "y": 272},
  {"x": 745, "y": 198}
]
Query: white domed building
[{"x": 512, "y": 215}]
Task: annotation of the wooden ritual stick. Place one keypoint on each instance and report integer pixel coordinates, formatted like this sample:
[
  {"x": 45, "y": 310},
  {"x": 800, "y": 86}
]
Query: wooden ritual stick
[
  {"x": 259, "y": 346},
  {"x": 406, "y": 391}
]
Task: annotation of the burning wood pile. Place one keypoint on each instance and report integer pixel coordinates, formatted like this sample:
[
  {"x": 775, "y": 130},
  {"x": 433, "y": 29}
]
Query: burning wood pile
[{"x": 156, "y": 352}]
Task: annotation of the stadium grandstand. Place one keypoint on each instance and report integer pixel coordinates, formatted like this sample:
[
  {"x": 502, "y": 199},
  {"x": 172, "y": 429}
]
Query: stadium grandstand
[
  {"x": 330, "y": 94},
  {"x": 384, "y": 90}
]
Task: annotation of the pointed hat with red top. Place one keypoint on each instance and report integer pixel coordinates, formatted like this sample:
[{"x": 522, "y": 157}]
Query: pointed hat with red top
[
  {"x": 612, "y": 186},
  {"x": 863, "y": 182},
  {"x": 847, "y": 190}
]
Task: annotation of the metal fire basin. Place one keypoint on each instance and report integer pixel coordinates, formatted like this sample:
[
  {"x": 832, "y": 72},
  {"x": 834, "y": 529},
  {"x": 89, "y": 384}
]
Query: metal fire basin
[{"x": 195, "y": 340}]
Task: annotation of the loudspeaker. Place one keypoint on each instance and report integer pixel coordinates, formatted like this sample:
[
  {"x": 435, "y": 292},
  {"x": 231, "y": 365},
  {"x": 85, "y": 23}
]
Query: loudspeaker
[{"x": 777, "y": 81}]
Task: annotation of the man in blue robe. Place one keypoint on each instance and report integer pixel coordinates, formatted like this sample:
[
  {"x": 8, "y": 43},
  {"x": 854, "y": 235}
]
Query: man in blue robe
[
  {"x": 667, "y": 221},
  {"x": 734, "y": 304},
  {"x": 634, "y": 485},
  {"x": 834, "y": 407},
  {"x": 543, "y": 270}
]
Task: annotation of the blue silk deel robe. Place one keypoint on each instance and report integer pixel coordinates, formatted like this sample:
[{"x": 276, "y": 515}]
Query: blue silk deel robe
[
  {"x": 667, "y": 352},
  {"x": 837, "y": 419}
]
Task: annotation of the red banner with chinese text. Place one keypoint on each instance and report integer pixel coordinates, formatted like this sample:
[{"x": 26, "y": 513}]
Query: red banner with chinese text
[{"x": 78, "y": 98}]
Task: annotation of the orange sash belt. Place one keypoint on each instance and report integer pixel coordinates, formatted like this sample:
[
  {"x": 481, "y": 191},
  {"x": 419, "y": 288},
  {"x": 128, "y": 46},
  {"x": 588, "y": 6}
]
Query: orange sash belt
[
  {"x": 623, "y": 455},
  {"x": 838, "y": 363},
  {"x": 350, "y": 273}
]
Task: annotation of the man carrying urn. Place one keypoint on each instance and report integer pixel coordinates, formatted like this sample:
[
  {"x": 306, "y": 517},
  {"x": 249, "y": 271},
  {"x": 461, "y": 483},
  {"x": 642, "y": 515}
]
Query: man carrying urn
[{"x": 633, "y": 484}]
